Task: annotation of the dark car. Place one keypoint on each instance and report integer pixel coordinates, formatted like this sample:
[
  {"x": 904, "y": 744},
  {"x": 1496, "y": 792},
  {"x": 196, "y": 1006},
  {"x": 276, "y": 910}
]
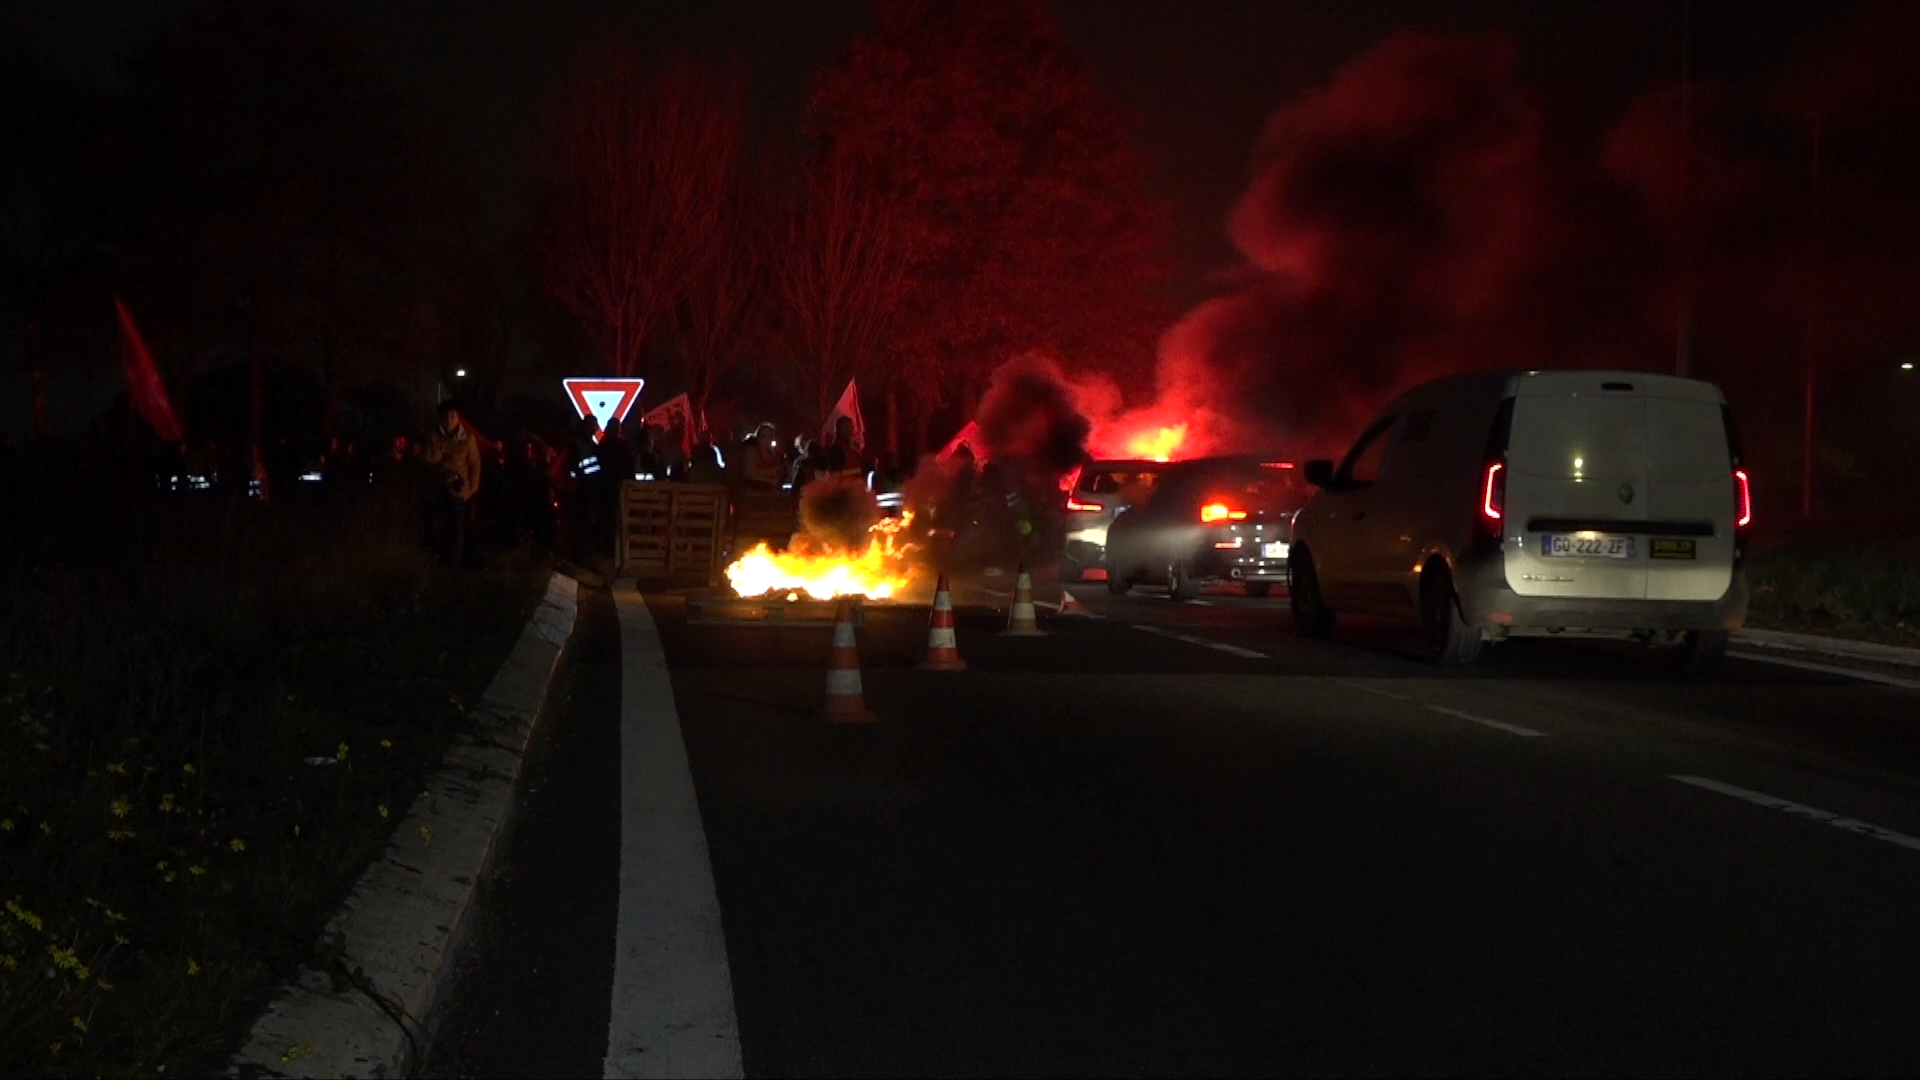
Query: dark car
[
  {"x": 1101, "y": 489},
  {"x": 1219, "y": 519}
]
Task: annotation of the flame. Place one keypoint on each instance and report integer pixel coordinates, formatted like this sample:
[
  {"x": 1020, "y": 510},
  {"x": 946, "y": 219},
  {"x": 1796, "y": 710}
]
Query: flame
[
  {"x": 1157, "y": 445},
  {"x": 879, "y": 572}
]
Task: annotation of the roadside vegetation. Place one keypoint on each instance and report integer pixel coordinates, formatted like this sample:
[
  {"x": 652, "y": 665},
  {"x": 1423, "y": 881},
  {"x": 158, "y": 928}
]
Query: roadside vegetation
[
  {"x": 211, "y": 715},
  {"x": 1862, "y": 590}
]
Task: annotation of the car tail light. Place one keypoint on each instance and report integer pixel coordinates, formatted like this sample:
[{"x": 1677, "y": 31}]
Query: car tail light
[
  {"x": 1493, "y": 493},
  {"x": 1083, "y": 507},
  {"x": 1213, "y": 512},
  {"x": 1276, "y": 464},
  {"x": 1743, "y": 499}
]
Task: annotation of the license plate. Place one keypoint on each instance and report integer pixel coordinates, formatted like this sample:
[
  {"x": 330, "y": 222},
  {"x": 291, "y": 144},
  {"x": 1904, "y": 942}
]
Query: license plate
[
  {"x": 1591, "y": 546},
  {"x": 1274, "y": 551}
]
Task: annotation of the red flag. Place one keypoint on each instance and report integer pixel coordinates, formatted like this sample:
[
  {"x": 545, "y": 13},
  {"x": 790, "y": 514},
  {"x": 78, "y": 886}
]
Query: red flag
[
  {"x": 848, "y": 406},
  {"x": 148, "y": 394}
]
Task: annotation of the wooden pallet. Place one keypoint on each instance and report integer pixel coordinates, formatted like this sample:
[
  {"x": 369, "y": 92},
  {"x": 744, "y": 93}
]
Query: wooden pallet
[{"x": 671, "y": 531}]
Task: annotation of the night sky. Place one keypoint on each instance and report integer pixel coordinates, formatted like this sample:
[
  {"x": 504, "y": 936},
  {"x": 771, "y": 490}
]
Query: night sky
[{"x": 1199, "y": 78}]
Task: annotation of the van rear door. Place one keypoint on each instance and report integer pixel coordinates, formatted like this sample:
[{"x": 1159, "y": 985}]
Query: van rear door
[
  {"x": 1690, "y": 495},
  {"x": 1576, "y": 478}
]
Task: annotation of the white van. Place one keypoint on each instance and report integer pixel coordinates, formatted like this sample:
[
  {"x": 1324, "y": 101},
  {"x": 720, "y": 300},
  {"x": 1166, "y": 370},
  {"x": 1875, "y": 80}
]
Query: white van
[{"x": 1568, "y": 502}]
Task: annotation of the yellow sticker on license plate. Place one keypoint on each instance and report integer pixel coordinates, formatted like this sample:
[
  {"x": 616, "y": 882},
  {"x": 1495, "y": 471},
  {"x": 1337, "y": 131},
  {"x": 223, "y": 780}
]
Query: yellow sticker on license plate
[{"x": 1666, "y": 547}]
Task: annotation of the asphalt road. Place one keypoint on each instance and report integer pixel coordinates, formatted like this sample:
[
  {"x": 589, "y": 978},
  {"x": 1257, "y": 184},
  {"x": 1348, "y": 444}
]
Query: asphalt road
[{"x": 1173, "y": 839}]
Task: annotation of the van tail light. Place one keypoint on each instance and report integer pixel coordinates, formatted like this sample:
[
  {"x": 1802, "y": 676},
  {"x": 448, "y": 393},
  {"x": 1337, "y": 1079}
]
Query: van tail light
[
  {"x": 1077, "y": 506},
  {"x": 1743, "y": 499},
  {"x": 1213, "y": 512},
  {"x": 1493, "y": 493}
]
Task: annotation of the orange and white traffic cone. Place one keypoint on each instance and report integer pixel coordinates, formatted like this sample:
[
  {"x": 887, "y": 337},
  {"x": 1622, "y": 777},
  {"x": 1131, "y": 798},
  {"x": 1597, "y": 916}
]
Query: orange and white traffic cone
[
  {"x": 943, "y": 652},
  {"x": 1022, "y": 622},
  {"x": 845, "y": 703},
  {"x": 1070, "y": 605}
]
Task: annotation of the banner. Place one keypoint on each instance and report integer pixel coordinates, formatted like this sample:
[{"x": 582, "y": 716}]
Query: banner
[
  {"x": 663, "y": 415},
  {"x": 144, "y": 388},
  {"x": 968, "y": 437},
  {"x": 848, "y": 406}
]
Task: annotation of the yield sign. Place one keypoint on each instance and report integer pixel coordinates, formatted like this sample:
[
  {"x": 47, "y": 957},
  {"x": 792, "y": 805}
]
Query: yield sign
[{"x": 606, "y": 400}]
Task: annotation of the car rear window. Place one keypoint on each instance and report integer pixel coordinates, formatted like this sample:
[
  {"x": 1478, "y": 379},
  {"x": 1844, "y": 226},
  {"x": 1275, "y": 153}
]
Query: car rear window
[
  {"x": 1115, "y": 481},
  {"x": 1258, "y": 490}
]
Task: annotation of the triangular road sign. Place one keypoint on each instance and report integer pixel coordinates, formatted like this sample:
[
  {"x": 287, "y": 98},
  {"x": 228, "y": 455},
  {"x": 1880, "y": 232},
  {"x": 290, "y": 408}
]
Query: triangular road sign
[{"x": 606, "y": 400}]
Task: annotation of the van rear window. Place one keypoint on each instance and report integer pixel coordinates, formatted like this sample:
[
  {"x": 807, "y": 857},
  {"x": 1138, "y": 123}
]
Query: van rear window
[
  {"x": 1595, "y": 437},
  {"x": 1114, "y": 481}
]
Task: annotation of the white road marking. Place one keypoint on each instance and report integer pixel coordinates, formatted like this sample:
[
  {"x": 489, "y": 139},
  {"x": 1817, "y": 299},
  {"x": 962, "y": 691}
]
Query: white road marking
[
  {"x": 1798, "y": 810},
  {"x": 672, "y": 990},
  {"x": 1373, "y": 690},
  {"x": 993, "y": 592},
  {"x": 1201, "y": 603},
  {"x": 1191, "y": 639},
  {"x": 1829, "y": 669},
  {"x": 1498, "y": 725}
]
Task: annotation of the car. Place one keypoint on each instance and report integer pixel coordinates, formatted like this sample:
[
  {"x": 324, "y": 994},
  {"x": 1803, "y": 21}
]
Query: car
[
  {"x": 1207, "y": 520},
  {"x": 1101, "y": 491},
  {"x": 1502, "y": 504}
]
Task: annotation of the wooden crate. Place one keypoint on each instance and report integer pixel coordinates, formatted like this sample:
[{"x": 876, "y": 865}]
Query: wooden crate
[{"x": 772, "y": 516}]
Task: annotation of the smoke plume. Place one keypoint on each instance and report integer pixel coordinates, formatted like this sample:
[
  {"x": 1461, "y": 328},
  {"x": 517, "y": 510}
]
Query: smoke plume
[{"x": 836, "y": 513}]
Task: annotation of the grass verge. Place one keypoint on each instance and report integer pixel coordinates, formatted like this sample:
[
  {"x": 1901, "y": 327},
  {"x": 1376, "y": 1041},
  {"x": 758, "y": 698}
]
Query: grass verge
[
  {"x": 211, "y": 714},
  {"x": 1854, "y": 593}
]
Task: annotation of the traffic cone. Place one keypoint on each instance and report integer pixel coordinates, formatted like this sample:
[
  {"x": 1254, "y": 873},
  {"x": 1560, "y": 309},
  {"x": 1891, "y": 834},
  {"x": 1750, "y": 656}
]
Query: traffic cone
[
  {"x": 1021, "y": 622},
  {"x": 1069, "y": 605},
  {"x": 844, "y": 704},
  {"x": 943, "y": 652}
]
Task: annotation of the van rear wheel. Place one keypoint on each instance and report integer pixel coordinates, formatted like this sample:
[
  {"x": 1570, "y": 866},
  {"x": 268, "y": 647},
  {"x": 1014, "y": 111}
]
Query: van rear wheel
[
  {"x": 1449, "y": 640},
  {"x": 1311, "y": 615}
]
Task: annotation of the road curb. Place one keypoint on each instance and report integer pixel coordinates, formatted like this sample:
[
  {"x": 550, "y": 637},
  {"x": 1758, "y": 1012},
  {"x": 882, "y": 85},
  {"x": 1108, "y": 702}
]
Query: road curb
[
  {"x": 405, "y": 916},
  {"x": 1829, "y": 646}
]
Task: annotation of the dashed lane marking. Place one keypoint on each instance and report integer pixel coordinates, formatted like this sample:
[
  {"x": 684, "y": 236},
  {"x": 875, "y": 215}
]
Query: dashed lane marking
[
  {"x": 1497, "y": 725},
  {"x": 1364, "y": 688},
  {"x": 1218, "y": 646},
  {"x": 1759, "y": 798}
]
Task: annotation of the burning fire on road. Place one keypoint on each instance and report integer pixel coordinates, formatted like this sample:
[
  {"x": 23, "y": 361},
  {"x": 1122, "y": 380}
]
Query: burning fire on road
[{"x": 880, "y": 572}]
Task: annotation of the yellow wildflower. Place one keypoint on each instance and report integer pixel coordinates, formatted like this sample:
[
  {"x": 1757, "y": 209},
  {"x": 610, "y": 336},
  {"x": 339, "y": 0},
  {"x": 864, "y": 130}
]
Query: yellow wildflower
[
  {"x": 43, "y": 748},
  {"x": 117, "y": 769},
  {"x": 47, "y": 827},
  {"x": 196, "y": 871},
  {"x": 6, "y": 824},
  {"x": 192, "y": 968},
  {"x": 67, "y": 960},
  {"x": 426, "y": 834},
  {"x": 296, "y": 1052},
  {"x": 170, "y": 876},
  {"x": 121, "y": 808},
  {"x": 188, "y": 768},
  {"x": 166, "y": 803},
  {"x": 119, "y": 834},
  {"x": 386, "y": 744},
  {"x": 237, "y": 844},
  {"x": 161, "y": 865},
  {"x": 103, "y": 984},
  {"x": 341, "y": 754},
  {"x": 383, "y": 812},
  {"x": 14, "y": 907},
  {"x": 8, "y": 962},
  {"x": 121, "y": 939},
  {"x": 80, "y": 1025},
  {"x": 113, "y": 916}
]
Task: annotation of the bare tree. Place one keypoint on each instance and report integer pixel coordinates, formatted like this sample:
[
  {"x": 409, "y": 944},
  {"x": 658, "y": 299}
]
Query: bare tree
[
  {"x": 839, "y": 277},
  {"x": 720, "y": 317},
  {"x": 633, "y": 175}
]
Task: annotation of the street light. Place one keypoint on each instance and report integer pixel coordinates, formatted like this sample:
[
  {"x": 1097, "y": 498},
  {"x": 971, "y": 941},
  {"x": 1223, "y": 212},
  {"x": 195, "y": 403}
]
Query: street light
[
  {"x": 460, "y": 373},
  {"x": 1908, "y": 366}
]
